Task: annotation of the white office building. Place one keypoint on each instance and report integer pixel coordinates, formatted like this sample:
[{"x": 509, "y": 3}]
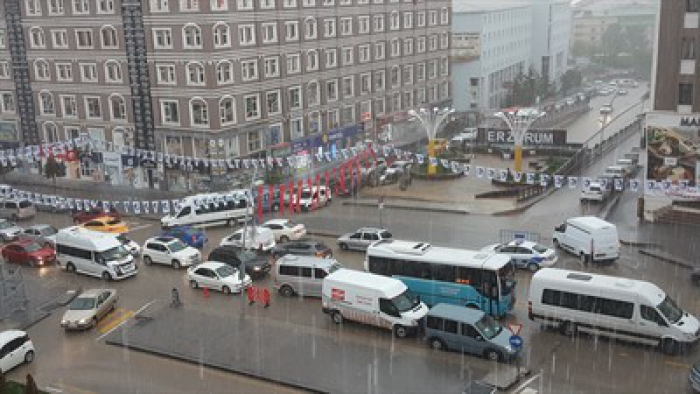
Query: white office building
[{"x": 550, "y": 37}]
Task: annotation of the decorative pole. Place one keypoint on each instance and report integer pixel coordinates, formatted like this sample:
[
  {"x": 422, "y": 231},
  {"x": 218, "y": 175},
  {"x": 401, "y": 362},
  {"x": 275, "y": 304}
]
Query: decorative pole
[
  {"x": 519, "y": 121},
  {"x": 431, "y": 121}
]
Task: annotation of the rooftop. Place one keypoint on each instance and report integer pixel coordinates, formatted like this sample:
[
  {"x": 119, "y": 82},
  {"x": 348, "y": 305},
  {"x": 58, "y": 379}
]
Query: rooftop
[{"x": 480, "y": 6}]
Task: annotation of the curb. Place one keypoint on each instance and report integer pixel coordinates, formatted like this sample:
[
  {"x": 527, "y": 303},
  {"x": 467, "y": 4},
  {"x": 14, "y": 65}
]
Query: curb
[
  {"x": 639, "y": 244},
  {"x": 408, "y": 208},
  {"x": 667, "y": 258},
  {"x": 323, "y": 234},
  {"x": 525, "y": 206},
  {"x": 610, "y": 206}
]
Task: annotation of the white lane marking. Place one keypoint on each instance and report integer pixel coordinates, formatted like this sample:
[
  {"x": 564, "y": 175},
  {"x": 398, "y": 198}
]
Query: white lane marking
[
  {"x": 141, "y": 227},
  {"x": 525, "y": 383},
  {"x": 53, "y": 389},
  {"x": 124, "y": 322}
]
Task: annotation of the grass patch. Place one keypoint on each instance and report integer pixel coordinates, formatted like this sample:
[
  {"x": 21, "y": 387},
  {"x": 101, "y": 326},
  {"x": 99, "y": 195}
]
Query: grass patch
[{"x": 11, "y": 387}]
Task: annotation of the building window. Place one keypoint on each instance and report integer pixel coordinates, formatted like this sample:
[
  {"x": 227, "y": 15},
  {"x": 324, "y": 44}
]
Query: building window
[
  {"x": 33, "y": 7},
  {"x": 221, "y": 5},
  {"x": 395, "y": 47},
  {"x": 255, "y": 142},
  {"x": 56, "y": 7},
  {"x": 312, "y": 93},
  {"x": 345, "y": 26},
  {"x": 685, "y": 94},
  {"x": 252, "y": 107},
  {"x": 227, "y": 110},
  {"x": 59, "y": 38},
  {"x": 159, "y": 5},
  {"x": 69, "y": 107},
  {"x": 379, "y": 50},
  {"x": 269, "y": 31},
  {"x": 162, "y": 38},
  {"x": 273, "y": 102},
  {"x": 41, "y": 69},
  {"x": 192, "y": 37},
  {"x": 688, "y": 48},
  {"x": 348, "y": 56},
  {"x": 329, "y": 28},
  {"x": 7, "y": 102},
  {"x": 395, "y": 76},
  {"x": 314, "y": 122},
  {"x": 245, "y": 5},
  {"x": 88, "y": 72},
  {"x": 291, "y": 31},
  {"x": 693, "y": 6},
  {"x": 81, "y": 6},
  {"x": 348, "y": 86},
  {"x": 408, "y": 20},
  {"x": 272, "y": 67},
  {"x": 170, "y": 112},
  {"x": 199, "y": 112},
  {"x": 365, "y": 83},
  {"x": 267, "y": 4},
  {"x": 246, "y": 34},
  {"x": 221, "y": 35},
  {"x": 166, "y": 74},
  {"x": 195, "y": 74},
  {"x": 444, "y": 16},
  {"x": 310, "y": 28},
  {"x": 289, "y": 3},
  {"x": 348, "y": 115},
  {"x": 46, "y": 102},
  {"x": 3, "y": 44},
  {"x": 84, "y": 38},
  {"x": 365, "y": 55},
  {"x": 312, "y": 60},
  {"x": 93, "y": 107},
  {"x": 50, "y": 132},
  {"x": 64, "y": 72},
  {"x": 293, "y": 63},
  {"x": 363, "y": 22},
  {"x": 394, "y": 21},
  {"x": 109, "y": 37},
  {"x": 379, "y": 78},
  {"x": 378, "y": 23},
  {"x": 113, "y": 71},
  {"x": 331, "y": 58},
  {"x": 118, "y": 107},
  {"x": 189, "y": 5},
  {"x": 105, "y": 6},
  {"x": 296, "y": 128},
  {"x": 408, "y": 46},
  {"x": 295, "y": 98},
  {"x": 420, "y": 19},
  {"x": 36, "y": 35},
  {"x": 249, "y": 70},
  {"x": 224, "y": 72},
  {"x": 332, "y": 90}
]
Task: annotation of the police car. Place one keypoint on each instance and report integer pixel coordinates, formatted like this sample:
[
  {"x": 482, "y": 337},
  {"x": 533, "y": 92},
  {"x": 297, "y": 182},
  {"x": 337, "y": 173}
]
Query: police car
[{"x": 526, "y": 254}]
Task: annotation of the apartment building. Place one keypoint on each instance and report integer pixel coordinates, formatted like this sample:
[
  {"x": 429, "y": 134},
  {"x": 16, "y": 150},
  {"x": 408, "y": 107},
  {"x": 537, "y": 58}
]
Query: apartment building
[{"x": 216, "y": 78}]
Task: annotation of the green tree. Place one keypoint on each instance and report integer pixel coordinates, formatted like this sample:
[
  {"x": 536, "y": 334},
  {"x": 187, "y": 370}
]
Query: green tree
[
  {"x": 53, "y": 169},
  {"x": 570, "y": 80},
  {"x": 614, "y": 42}
]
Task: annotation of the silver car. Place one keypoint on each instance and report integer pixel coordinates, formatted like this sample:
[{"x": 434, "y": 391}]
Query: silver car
[
  {"x": 17, "y": 209},
  {"x": 88, "y": 308},
  {"x": 9, "y": 231},
  {"x": 362, "y": 238},
  {"x": 43, "y": 234}
]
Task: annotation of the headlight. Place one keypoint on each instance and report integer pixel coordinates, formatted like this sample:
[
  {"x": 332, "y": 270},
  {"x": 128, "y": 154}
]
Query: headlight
[
  {"x": 83, "y": 321},
  {"x": 65, "y": 322},
  {"x": 256, "y": 268}
]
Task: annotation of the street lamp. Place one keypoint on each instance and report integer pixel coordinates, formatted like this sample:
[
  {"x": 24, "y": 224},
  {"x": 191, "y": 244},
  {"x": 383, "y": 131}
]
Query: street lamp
[
  {"x": 519, "y": 121},
  {"x": 431, "y": 121}
]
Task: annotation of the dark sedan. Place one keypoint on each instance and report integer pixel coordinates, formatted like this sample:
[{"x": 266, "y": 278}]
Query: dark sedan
[
  {"x": 256, "y": 265},
  {"x": 302, "y": 248}
]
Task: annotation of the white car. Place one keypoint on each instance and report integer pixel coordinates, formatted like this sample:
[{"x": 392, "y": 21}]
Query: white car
[
  {"x": 132, "y": 246},
  {"x": 15, "y": 349},
  {"x": 169, "y": 251},
  {"x": 606, "y": 109},
  {"x": 526, "y": 254},
  {"x": 262, "y": 239},
  {"x": 468, "y": 134},
  {"x": 285, "y": 229},
  {"x": 217, "y": 276},
  {"x": 595, "y": 192},
  {"x": 397, "y": 168},
  {"x": 320, "y": 194}
]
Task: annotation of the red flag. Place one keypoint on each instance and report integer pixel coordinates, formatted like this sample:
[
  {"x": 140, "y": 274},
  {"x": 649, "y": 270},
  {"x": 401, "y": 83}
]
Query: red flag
[
  {"x": 300, "y": 186},
  {"x": 359, "y": 173},
  {"x": 282, "y": 199},
  {"x": 342, "y": 177},
  {"x": 317, "y": 195},
  {"x": 374, "y": 155},
  {"x": 291, "y": 197},
  {"x": 335, "y": 185},
  {"x": 328, "y": 189},
  {"x": 270, "y": 197},
  {"x": 260, "y": 203}
]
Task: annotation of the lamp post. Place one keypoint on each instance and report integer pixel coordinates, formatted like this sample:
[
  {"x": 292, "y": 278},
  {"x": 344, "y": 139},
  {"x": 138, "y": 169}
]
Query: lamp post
[
  {"x": 431, "y": 121},
  {"x": 519, "y": 121}
]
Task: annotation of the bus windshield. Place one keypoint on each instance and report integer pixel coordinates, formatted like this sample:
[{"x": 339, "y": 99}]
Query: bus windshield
[
  {"x": 116, "y": 253},
  {"x": 405, "y": 301}
]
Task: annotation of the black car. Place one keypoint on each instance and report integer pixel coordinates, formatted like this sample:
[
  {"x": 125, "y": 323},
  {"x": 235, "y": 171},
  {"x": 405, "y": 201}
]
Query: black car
[
  {"x": 304, "y": 247},
  {"x": 256, "y": 265}
]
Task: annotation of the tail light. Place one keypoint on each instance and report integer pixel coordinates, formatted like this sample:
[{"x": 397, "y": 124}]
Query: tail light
[
  {"x": 319, "y": 254},
  {"x": 194, "y": 239}
]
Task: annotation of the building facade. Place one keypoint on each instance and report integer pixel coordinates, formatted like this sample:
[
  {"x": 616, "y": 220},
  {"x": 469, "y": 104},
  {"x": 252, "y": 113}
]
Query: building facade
[
  {"x": 217, "y": 78},
  {"x": 491, "y": 44},
  {"x": 591, "y": 20},
  {"x": 551, "y": 21},
  {"x": 672, "y": 126}
]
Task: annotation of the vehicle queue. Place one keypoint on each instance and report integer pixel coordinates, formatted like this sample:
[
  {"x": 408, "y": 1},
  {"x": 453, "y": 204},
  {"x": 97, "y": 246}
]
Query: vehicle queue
[{"x": 451, "y": 297}]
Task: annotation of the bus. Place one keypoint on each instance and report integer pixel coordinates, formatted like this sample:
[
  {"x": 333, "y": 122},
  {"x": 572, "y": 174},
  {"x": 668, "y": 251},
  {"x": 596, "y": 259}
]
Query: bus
[
  {"x": 228, "y": 208},
  {"x": 480, "y": 280}
]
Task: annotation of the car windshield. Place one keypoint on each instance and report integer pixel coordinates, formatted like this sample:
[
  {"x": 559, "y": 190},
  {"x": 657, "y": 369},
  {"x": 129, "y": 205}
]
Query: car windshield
[
  {"x": 539, "y": 248},
  {"x": 334, "y": 267},
  {"x": 305, "y": 194},
  {"x": 32, "y": 247},
  {"x": 225, "y": 271},
  {"x": 116, "y": 253},
  {"x": 25, "y": 204},
  {"x": 405, "y": 301},
  {"x": 670, "y": 310},
  {"x": 489, "y": 327},
  {"x": 176, "y": 246},
  {"x": 82, "y": 304},
  {"x": 46, "y": 231},
  {"x": 4, "y": 225},
  {"x": 113, "y": 222},
  {"x": 385, "y": 234},
  {"x": 123, "y": 239},
  {"x": 290, "y": 224},
  {"x": 246, "y": 256}
]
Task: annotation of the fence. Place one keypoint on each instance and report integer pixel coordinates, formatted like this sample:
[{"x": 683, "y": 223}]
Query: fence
[{"x": 13, "y": 293}]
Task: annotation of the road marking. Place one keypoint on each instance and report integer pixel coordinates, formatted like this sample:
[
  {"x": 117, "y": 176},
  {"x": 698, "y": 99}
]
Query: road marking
[
  {"x": 525, "y": 383},
  {"x": 64, "y": 387},
  {"x": 141, "y": 227},
  {"x": 114, "y": 318},
  {"x": 623, "y": 354},
  {"x": 125, "y": 320},
  {"x": 677, "y": 364}
]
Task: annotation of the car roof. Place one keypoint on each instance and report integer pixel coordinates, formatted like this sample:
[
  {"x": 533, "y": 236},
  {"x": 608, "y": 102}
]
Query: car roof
[
  {"x": 277, "y": 221},
  {"x": 292, "y": 259},
  {"x": 39, "y": 226},
  {"x": 95, "y": 292},
  {"x": 9, "y": 335},
  {"x": 457, "y": 313},
  {"x": 163, "y": 239},
  {"x": 23, "y": 242},
  {"x": 212, "y": 265},
  {"x": 377, "y": 229}
]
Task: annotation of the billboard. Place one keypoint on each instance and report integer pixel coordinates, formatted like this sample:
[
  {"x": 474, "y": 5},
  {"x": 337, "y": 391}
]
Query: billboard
[{"x": 535, "y": 137}]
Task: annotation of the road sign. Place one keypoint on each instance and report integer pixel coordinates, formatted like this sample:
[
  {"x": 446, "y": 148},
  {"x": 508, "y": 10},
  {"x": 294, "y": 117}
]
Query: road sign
[
  {"x": 515, "y": 328},
  {"x": 516, "y": 341}
]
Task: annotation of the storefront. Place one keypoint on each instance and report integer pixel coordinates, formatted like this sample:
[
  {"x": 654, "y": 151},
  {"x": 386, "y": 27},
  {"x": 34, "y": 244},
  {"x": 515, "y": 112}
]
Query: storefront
[
  {"x": 131, "y": 173},
  {"x": 112, "y": 162}
]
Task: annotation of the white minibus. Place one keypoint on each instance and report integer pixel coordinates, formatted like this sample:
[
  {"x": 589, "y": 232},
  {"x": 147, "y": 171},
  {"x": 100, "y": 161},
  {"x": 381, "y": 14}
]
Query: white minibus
[
  {"x": 93, "y": 253},
  {"x": 621, "y": 308},
  {"x": 211, "y": 209},
  {"x": 588, "y": 237}
]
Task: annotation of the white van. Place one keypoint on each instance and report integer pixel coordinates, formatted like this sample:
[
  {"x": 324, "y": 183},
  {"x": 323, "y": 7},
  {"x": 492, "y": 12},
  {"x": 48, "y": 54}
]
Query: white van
[
  {"x": 626, "y": 309},
  {"x": 589, "y": 237},
  {"x": 211, "y": 209},
  {"x": 616, "y": 171},
  {"x": 372, "y": 299},
  {"x": 93, "y": 253},
  {"x": 320, "y": 194}
]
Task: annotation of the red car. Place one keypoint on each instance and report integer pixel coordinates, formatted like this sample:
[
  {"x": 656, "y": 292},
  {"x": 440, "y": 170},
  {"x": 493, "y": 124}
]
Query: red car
[
  {"x": 94, "y": 213},
  {"x": 28, "y": 252}
]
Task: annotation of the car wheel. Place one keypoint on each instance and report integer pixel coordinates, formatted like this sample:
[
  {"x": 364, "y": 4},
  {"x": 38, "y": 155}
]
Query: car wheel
[
  {"x": 147, "y": 260},
  {"x": 29, "y": 357},
  {"x": 669, "y": 347},
  {"x": 226, "y": 290},
  {"x": 106, "y": 276},
  {"x": 437, "y": 344},
  {"x": 176, "y": 264},
  {"x": 556, "y": 244},
  {"x": 533, "y": 267},
  {"x": 337, "y": 317},
  {"x": 492, "y": 355},
  {"x": 286, "y": 291},
  {"x": 284, "y": 238},
  {"x": 344, "y": 246},
  {"x": 70, "y": 268},
  {"x": 400, "y": 331},
  {"x": 93, "y": 323},
  {"x": 193, "y": 284},
  {"x": 31, "y": 263}
]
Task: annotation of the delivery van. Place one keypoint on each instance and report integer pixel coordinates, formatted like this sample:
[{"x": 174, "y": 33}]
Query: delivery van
[
  {"x": 93, "y": 253},
  {"x": 621, "y": 308},
  {"x": 372, "y": 299},
  {"x": 211, "y": 209},
  {"x": 588, "y": 237}
]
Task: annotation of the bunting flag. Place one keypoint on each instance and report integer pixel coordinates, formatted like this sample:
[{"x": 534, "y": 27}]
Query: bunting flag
[
  {"x": 480, "y": 172},
  {"x": 530, "y": 178},
  {"x": 573, "y": 182},
  {"x": 467, "y": 169},
  {"x": 558, "y": 181},
  {"x": 517, "y": 176},
  {"x": 634, "y": 185}
]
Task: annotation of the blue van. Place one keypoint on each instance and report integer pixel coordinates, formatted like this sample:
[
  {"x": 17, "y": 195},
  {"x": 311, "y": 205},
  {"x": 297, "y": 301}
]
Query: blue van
[{"x": 452, "y": 327}]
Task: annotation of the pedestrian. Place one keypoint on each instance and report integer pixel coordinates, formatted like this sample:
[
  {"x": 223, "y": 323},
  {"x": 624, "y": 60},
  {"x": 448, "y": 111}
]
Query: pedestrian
[{"x": 251, "y": 295}]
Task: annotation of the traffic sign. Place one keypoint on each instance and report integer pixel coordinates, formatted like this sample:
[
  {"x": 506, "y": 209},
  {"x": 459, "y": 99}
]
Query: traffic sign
[
  {"x": 516, "y": 341},
  {"x": 515, "y": 328}
]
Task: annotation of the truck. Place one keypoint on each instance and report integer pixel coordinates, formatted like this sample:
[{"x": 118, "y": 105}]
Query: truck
[{"x": 372, "y": 299}]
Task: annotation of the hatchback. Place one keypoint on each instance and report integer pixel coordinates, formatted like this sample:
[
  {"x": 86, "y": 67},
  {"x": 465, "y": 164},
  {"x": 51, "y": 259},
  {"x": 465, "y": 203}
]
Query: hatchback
[
  {"x": 28, "y": 252},
  {"x": 15, "y": 349}
]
